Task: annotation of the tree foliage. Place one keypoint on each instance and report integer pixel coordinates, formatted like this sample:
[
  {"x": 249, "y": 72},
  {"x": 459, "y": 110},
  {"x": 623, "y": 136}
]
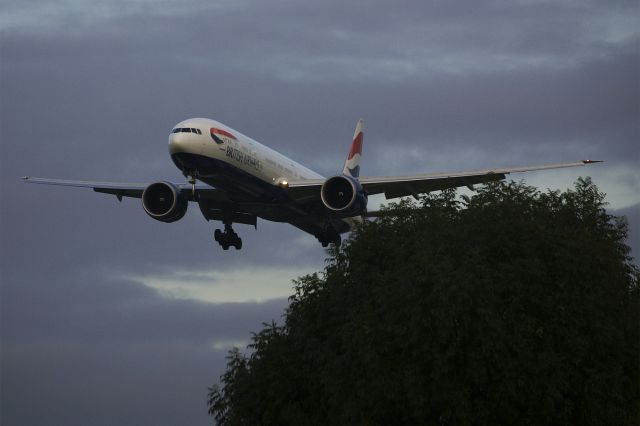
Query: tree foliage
[{"x": 512, "y": 306}]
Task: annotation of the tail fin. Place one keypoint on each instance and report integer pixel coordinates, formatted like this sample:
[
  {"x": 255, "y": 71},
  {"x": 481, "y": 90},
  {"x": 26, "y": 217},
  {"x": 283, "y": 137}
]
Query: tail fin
[{"x": 352, "y": 165}]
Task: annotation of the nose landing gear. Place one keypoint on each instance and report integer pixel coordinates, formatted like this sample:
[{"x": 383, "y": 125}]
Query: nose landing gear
[
  {"x": 191, "y": 178},
  {"x": 227, "y": 238}
]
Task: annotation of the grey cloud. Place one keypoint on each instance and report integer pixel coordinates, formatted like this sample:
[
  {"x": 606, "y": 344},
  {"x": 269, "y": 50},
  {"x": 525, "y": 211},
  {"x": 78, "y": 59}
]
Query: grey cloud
[
  {"x": 105, "y": 385},
  {"x": 91, "y": 307},
  {"x": 589, "y": 101},
  {"x": 87, "y": 346}
]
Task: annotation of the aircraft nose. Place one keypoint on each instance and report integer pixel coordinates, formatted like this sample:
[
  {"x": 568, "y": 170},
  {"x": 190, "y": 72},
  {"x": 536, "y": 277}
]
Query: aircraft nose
[{"x": 177, "y": 143}]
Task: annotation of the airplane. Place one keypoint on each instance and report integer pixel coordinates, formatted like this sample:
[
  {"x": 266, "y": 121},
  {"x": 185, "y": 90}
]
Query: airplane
[{"x": 243, "y": 180}]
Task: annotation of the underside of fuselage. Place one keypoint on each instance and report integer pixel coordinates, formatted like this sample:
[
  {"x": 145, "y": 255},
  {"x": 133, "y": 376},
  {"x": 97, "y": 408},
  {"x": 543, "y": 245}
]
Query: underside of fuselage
[
  {"x": 239, "y": 185},
  {"x": 245, "y": 194}
]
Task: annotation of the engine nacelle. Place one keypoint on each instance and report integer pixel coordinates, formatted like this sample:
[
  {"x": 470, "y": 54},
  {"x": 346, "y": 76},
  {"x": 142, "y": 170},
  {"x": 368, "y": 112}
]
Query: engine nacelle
[
  {"x": 344, "y": 196},
  {"x": 163, "y": 201}
]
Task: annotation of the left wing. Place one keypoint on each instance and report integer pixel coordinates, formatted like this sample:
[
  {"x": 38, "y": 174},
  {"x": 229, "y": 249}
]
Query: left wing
[{"x": 401, "y": 186}]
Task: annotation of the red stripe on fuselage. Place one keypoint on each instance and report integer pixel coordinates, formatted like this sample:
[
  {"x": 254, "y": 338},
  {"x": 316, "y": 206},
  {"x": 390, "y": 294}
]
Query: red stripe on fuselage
[
  {"x": 356, "y": 146},
  {"x": 222, "y": 133}
]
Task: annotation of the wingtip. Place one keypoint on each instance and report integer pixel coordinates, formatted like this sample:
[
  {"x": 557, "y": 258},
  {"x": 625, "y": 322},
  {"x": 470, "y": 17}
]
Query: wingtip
[
  {"x": 26, "y": 177},
  {"x": 592, "y": 161}
]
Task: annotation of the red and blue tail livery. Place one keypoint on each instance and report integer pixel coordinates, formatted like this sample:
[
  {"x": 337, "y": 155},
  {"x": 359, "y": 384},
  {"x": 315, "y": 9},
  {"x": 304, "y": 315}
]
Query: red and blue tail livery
[{"x": 352, "y": 165}]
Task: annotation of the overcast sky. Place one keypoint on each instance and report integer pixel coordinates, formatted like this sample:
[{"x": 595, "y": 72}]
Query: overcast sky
[{"x": 109, "y": 317}]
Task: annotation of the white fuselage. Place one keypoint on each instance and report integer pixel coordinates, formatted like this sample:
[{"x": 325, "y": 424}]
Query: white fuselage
[
  {"x": 237, "y": 150},
  {"x": 243, "y": 164}
]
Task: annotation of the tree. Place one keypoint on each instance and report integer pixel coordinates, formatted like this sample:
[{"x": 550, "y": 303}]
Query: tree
[{"x": 512, "y": 306}]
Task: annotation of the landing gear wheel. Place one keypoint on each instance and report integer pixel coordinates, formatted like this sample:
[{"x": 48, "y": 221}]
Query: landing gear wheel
[
  {"x": 227, "y": 238},
  {"x": 329, "y": 236}
]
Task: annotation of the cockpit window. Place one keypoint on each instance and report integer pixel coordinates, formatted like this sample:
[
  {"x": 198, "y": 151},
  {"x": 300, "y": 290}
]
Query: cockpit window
[{"x": 186, "y": 130}]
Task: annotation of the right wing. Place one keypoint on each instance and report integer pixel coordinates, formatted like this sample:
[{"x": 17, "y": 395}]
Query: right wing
[
  {"x": 212, "y": 202},
  {"x": 133, "y": 190},
  {"x": 118, "y": 189}
]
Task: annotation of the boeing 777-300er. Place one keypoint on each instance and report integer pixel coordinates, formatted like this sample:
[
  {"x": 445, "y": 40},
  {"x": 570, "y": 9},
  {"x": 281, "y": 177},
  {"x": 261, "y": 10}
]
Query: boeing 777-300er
[{"x": 244, "y": 180}]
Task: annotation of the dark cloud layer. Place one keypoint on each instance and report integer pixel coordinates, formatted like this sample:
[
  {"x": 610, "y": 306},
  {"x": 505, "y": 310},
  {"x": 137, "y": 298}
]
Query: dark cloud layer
[
  {"x": 91, "y": 91},
  {"x": 89, "y": 349}
]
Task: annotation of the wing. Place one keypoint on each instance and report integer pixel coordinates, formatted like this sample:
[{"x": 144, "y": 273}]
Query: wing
[
  {"x": 120, "y": 190},
  {"x": 212, "y": 201},
  {"x": 401, "y": 186}
]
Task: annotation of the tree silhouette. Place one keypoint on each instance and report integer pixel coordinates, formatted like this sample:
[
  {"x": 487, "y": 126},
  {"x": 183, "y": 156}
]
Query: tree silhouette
[{"x": 512, "y": 306}]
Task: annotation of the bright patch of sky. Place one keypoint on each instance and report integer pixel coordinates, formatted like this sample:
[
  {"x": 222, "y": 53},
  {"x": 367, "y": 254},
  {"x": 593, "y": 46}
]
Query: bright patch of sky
[
  {"x": 69, "y": 15},
  {"x": 250, "y": 284},
  {"x": 226, "y": 344}
]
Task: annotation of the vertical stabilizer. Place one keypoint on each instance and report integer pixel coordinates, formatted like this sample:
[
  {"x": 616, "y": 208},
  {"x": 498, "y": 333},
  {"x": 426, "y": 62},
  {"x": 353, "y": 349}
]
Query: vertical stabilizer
[{"x": 352, "y": 165}]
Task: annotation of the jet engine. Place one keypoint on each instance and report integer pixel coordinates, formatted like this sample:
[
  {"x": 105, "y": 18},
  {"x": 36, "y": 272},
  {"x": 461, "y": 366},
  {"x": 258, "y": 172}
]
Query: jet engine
[
  {"x": 164, "y": 202},
  {"x": 344, "y": 196}
]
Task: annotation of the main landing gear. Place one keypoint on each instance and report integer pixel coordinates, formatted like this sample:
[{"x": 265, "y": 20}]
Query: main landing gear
[
  {"x": 329, "y": 236},
  {"x": 227, "y": 238}
]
